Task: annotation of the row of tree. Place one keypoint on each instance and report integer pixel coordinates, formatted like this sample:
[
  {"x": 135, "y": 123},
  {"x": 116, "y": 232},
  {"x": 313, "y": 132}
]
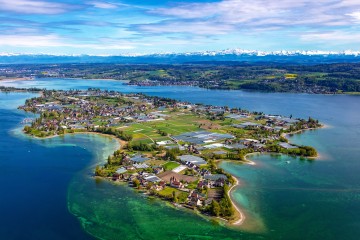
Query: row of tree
[
  {"x": 224, "y": 207},
  {"x": 117, "y": 133}
]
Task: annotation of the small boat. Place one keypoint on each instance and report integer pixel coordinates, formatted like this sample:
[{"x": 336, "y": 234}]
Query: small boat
[{"x": 287, "y": 161}]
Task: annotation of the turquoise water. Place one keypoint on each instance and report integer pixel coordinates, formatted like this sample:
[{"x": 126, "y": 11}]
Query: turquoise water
[{"x": 296, "y": 200}]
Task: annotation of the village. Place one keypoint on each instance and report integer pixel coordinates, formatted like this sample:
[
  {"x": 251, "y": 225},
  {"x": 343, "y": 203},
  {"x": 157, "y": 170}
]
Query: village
[{"x": 169, "y": 149}]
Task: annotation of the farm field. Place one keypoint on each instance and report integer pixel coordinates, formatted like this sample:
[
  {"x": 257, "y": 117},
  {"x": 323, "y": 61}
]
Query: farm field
[{"x": 156, "y": 131}]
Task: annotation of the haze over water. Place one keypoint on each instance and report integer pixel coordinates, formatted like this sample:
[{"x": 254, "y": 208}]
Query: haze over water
[{"x": 44, "y": 180}]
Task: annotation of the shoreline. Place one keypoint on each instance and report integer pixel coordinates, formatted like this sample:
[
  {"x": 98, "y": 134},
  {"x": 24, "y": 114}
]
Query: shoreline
[
  {"x": 242, "y": 217},
  {"x": 127, "y": 81},
  {"x": 248, "y": 161},
  {"x": 17, "y": 79},
  {"x": 285, "y": 135},
  {"x": 69, "y": 78},
  {"x": 239, "y": 215},
  {"x": 119, "y": 141}
]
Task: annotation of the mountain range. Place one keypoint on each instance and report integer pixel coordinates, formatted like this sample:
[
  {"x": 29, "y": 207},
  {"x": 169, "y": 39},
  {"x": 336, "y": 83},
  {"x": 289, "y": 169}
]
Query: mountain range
[{"x": 228, "y": 55}]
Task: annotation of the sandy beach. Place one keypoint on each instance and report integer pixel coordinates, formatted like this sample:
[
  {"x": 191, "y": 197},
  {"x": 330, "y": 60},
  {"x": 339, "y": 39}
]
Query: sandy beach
[
  {"x": 248, "y": 161},
  {"x": 240, "y": 215}
]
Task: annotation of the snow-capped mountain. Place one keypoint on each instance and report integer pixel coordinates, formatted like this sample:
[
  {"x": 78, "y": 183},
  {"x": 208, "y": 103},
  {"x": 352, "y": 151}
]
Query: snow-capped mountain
[
  {"x": 239, "y": 52},
  {"x": 233, "y": 55}
]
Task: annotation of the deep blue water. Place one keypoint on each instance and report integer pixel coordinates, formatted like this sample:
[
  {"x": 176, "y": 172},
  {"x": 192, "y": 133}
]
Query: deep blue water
[
  {"x": 299, "y": 200},
  {"x": 34, "y": 180}
]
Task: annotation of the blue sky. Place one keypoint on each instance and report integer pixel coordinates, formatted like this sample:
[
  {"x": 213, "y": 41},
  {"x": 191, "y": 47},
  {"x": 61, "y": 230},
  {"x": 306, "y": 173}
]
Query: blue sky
[{"x": 116, "y": 27}]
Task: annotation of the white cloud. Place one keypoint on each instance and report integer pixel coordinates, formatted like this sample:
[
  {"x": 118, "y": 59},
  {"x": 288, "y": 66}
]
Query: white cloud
[
  {"x": 265, "y": 12},
  {"x": 196, "y": 28},
  {"x": 29, "y": 40},
  {"x": 103, "y": 5},
  {"x": 51, "y": 40},
  {"x": 332, "y": 37},
  {"x": 34, "y": 7},
  {"x": 355, "y": 16}
]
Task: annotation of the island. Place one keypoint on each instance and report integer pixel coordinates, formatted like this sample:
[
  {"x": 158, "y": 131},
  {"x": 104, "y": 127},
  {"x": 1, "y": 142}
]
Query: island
[{"x": 169, "y": 149}]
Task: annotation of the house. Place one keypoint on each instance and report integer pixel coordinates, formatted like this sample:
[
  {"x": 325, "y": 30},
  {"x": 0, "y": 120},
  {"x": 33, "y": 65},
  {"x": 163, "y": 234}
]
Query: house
[
  {"x": 259, "y": 146},
  {"x": 195, "y": 199},
  {"x": 161, "y": 185},
  {"x": 216, "y": 180},
  {"x": 130, "y": 168},
  {"x": 158, "y": 170},
  {"x": 115, "y": 176},
  {"x": 214, "y": 177},
  {"x": 203, "y": 184},
  {"x": 219, "y": 182},
  {"x": 175, "y": 183}
]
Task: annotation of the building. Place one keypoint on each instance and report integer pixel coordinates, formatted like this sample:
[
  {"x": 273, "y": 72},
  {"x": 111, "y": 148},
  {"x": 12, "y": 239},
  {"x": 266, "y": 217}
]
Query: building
[
  {"x": 190, "y": 159},
  {"x": 175, "y": 183}
]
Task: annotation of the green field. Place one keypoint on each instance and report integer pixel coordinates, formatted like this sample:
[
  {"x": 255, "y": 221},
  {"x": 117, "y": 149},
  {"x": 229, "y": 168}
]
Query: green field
[
  {"x": 170, "y": 166},
  {"x": 148, "y": 132}
]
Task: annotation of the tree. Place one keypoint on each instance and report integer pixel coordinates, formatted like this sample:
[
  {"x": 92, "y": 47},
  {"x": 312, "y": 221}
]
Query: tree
[
  {"x": 27, "y": 129},
  {"x": 149, "y": 185},
  {"x": 136, "y": 182},
  {"x": 174, "y": 197},
  {"x": 215, "y": 208},
  {"x": 109, "y": 160},
  {"x": 98, "y": 171}
]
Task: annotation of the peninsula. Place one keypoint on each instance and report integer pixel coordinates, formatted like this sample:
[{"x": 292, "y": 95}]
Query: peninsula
[{"x": 169, "y": 149}]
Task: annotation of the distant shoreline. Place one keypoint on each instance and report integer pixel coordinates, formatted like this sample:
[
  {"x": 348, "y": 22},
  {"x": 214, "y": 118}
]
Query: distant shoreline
[
  {"x": 17, "y": 79},
  {"x": 34, "y": 79},
  {"x": 174, "y": 85}
]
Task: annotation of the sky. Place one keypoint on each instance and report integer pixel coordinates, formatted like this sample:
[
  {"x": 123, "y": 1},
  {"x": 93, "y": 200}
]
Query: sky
[{"x": 98, "y": 27}]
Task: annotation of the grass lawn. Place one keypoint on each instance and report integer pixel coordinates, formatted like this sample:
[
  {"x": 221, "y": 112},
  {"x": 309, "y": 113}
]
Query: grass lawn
[
  {"x": 193, "y": 185},
  {"x": 170, "y": 165},
  {"x": 155, "y": 162},
  {"x": 148, "y": 132},
  {"x": 168, "y": 192}
]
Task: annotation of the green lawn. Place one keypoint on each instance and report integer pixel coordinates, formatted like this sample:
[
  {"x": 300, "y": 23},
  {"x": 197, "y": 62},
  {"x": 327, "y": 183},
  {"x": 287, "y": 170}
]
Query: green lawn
[
  {"x": 170, "y": 166},
  {"x": 168, "y": 192},
  {"x": 148, "y": 132}
]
